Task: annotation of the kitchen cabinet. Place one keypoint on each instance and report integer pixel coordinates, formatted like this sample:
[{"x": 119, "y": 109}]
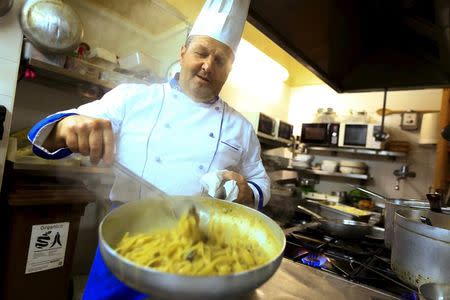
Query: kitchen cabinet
[{"x": 441, "y": 171}]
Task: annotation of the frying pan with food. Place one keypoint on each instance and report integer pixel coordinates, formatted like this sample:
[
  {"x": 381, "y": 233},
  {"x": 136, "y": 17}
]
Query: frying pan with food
[{"x": 347, "y": 229}]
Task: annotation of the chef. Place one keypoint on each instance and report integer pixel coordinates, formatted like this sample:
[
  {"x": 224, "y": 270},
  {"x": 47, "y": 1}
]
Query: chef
[{"x": 170, "y": 134}]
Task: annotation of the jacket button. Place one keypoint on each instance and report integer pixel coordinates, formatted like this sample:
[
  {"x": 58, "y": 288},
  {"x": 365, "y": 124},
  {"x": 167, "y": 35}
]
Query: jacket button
[
  {"x": 167, "y": 125},
  {"x": 211, "y": 134},
  {"x": 158, "y": 159},
  {"x": 217, "y": 108},
  {"x": 201, "y": 167}
]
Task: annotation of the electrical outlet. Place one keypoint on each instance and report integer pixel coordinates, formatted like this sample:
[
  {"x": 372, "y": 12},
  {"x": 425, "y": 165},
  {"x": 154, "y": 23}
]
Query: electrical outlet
[{"x": 409, "y": 121}]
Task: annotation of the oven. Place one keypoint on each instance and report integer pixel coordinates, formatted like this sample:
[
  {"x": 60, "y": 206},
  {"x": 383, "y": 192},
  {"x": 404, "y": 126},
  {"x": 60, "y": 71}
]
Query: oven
[{"x": 320, "y": 134}]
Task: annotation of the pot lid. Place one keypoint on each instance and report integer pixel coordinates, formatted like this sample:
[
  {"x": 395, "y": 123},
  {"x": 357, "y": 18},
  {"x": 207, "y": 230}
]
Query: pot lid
[{"x": 51, "y": 25}]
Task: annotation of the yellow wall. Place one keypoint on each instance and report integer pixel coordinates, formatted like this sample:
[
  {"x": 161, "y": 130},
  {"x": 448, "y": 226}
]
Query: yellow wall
[{"x": 299, "y": 75}]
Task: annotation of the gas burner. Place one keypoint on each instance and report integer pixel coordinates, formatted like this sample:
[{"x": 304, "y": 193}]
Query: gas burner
[
  {"x": 362, "y": 261},
  {"x": 314, "y": 260}
]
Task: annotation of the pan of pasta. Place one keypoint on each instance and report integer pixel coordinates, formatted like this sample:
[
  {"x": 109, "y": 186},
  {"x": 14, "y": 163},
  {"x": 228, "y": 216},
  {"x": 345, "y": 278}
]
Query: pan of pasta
[{"x": 190, "y": 247}]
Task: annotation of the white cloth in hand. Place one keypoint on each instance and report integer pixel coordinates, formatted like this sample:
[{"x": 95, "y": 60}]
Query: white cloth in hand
[{"x": 213, "y": 181}]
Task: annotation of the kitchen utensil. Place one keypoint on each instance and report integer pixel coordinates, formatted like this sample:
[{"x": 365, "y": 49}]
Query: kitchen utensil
[
  {"x": 59, "y": 31},
  {"x": 376, "y": 233},
  {"x": 434, "y": 291},
  {"x": 336, "y": 211},
  {"x": 435, "y": 202},
  {"x": 147, "y": 215},
  {"x": 445, "y": 133},
  {"x": 5, "y": 6},
  {"x": 388, "y": 111},
  {"x": 347, "y": 229},
  {"x": 153, "y": 190},
  {"x": 420, "y": 252},
  {"x": 391, "y": 205}
]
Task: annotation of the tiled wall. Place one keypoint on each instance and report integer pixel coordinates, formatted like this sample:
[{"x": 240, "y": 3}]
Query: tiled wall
[{"x": 10, "y": 48}]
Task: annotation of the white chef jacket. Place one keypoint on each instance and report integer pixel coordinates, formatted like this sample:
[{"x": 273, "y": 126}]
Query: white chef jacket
[{"x": 171, "y": 140}]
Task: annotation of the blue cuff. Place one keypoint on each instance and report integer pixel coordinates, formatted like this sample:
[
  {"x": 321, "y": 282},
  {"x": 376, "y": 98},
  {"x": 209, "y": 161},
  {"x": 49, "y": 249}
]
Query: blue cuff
[
  {"x": 61, "y": 153},
  {"x": 260, "y": 193}
]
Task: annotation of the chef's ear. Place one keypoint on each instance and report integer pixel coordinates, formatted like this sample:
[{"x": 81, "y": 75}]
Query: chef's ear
[{"x": 182, "y": 51}]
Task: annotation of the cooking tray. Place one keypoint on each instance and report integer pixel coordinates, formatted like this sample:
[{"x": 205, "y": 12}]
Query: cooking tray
[{"x": 332, "y": 210}]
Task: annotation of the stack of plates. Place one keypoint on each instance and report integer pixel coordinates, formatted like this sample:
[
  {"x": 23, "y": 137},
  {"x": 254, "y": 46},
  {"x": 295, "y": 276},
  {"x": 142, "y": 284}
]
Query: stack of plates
[
  {"x": 329, "y": 165},
  {"x": 352, "y": 167},
  {"x": 302, "y": 161}
]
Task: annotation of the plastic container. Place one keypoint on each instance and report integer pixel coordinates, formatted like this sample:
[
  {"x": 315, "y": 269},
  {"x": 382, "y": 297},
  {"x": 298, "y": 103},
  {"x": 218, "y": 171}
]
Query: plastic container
[
  {"x": 29, "y": 51},
  {"x": 83, "y": 67},
  {"x": 103, "y": 58},
  {"x": 139, "y": 62}
]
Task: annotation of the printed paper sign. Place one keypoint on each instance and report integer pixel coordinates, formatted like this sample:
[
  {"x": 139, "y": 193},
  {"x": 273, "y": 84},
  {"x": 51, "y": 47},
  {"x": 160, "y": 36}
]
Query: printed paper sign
[{"x": 47, "y": 247}]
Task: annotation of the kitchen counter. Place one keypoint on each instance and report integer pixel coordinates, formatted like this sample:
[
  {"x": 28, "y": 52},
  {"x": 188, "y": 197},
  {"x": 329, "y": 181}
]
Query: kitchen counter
[{"x": 297, "y": 281}]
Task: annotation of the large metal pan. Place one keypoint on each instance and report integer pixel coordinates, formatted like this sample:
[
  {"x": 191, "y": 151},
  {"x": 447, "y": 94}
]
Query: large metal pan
[
  {"x": 148, "y": 215},
  {"x": 391, "y": 205},
  {"x": 52, "y": 26},
  {"x": 420, "y": 252},
  {"x": 347, "y": 229}
]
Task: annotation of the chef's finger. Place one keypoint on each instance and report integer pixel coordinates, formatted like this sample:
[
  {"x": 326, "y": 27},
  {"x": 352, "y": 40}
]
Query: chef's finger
[
  {"x": 72, "y": 141},
  {"x": 83, "y": 130},
  {"x": 96, "y": 145},
  {"x": 108, "y": 144},
  {"x": 230, "y": 175}
]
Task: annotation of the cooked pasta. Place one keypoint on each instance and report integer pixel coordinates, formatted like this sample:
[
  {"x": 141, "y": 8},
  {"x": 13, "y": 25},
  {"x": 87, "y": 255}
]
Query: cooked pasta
[{"x": 187, "y": 250}]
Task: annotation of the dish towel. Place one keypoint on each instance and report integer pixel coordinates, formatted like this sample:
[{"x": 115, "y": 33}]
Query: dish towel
[{"x": 217, "y": 187}]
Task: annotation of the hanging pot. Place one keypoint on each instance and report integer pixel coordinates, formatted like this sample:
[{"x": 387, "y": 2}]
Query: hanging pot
[
  {"x": 51, "y": 25},
  {"x": 5, "y": 6},
  {"x": 391, "y": 205}
]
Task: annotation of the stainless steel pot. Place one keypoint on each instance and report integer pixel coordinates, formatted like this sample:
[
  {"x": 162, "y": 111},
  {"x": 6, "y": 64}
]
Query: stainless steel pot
[
  {"x": 51, "y": 25},
  {"x": 147, "y": 215},
  {"x": 391, "y": 205},
  {"x": 420, "y": 252},
  {"x": 5, "y": 6}
]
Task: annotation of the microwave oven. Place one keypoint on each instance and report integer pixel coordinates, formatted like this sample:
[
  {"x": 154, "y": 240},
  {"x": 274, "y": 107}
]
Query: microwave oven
[
  {"x": 320, "y": 134},
  {"x": 359, "y": 136},
  {"x": 262, "y": 123},
  {"x": 283, "y": 130}
]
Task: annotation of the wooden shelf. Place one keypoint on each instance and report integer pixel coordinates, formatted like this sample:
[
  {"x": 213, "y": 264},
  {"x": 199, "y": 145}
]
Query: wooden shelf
[
  {"x": 62, "y": 75},
  {"x": 71, "y": 81}
]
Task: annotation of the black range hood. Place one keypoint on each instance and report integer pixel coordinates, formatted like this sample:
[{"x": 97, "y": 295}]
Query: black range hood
[{"x": 359, "y": 45}]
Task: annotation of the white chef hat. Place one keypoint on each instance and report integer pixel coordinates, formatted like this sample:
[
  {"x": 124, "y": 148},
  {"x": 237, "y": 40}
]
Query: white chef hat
[{"x": 222, "y": 20}]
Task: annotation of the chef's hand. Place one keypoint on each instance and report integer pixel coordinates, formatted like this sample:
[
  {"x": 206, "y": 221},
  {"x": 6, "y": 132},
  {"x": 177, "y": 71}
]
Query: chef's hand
[
  {"x": 245, "y": 195},
  {"x": 89, "y": 136}
]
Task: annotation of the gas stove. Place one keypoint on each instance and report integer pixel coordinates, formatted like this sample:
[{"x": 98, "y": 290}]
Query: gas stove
[{"x": 365, "y": 261}]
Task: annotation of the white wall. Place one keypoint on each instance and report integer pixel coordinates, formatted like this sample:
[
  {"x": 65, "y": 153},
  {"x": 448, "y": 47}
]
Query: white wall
[
  {"x": 270, "y": 98},
  {"x": 103, "y": 28},
  {"x": 306, "y": 100},
  {"x": 10, "y": 48}
]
